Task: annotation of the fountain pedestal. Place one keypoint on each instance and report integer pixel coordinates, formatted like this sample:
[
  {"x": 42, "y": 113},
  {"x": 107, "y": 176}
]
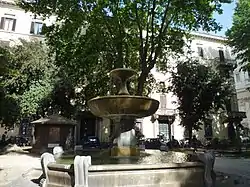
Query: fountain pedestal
[
  {"x": 123, "y": 109},
  {"x": 125, "y": 142}
]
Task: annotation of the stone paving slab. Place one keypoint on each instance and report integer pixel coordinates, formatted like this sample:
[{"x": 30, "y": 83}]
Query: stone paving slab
[
  {"x": 25, "y": 180},
  {"x": 225, "y": 180}
]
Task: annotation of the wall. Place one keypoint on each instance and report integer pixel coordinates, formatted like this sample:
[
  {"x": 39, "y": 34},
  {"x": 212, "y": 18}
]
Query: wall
[
  {"x": 242, "y": 82},
  {"x": 23, "y": 23}
]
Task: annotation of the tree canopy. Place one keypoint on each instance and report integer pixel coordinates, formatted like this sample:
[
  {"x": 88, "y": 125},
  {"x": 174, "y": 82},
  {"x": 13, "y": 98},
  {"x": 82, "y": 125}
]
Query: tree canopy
[
  {"x": 31, "y": 85},
  {"x": 89, "y": 38},
  {"x": 238, "y": 34},
  {"x": 200, "y": 88}
]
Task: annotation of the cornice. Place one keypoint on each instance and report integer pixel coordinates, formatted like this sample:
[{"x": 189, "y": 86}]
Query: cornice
[{"x": 208, "y": 36}]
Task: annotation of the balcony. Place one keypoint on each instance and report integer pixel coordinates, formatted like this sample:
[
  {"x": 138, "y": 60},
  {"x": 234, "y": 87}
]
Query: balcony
[{"x": 166, "y": 112}]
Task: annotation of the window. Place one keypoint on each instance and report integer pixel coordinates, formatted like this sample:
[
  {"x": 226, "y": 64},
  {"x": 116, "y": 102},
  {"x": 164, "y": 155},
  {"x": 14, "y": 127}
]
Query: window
[
  {"x": 164, "y": 130},
  {"x": 200, "y": 52},
  {"x": 208, "y": 129},
  {"x": 8, "y": 24},
  {"x": 237, "y": 77},
  {"x": 163, "y": 101},
  {"x": 221, "y": 55},
  {"x": 36, "y": 28}
]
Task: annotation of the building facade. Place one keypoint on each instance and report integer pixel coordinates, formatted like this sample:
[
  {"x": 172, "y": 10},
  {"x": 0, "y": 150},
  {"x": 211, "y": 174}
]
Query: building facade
[
  {"x": 242, "y": 85},
  {"x": 166, "y": 121},
  {"x": 16, "y": 24}
]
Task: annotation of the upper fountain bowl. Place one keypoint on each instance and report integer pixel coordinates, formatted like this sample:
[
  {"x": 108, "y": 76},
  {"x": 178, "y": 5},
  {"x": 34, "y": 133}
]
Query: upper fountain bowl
[
  {"x": 123, "y": 105},
  {"x": 122, "y": 73}
]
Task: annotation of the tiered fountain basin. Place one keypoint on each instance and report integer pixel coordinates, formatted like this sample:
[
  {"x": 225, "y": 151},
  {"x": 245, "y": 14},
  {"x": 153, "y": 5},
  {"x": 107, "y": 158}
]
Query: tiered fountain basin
[
  {"x": 123, "y": 109},
  {"x": 126, "y": 166},
  {"x": 126, "y": 107},
  {"x": 153, "y": 169},
  {"x": 123, "y": 105}
]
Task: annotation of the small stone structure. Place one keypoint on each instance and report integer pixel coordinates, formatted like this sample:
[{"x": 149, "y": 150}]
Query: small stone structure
[
  {"x": 208, "y": 158},
  {"x": 52, "y": 131},
  {"x": 46, "y": 158},
  {"x": 57, "y": 152},
  {"x": 81, "y": 168},
  {"x": 83, "y": 174}
]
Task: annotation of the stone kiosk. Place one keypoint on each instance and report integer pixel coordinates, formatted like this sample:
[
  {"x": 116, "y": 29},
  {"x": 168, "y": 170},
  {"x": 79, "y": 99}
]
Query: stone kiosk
[{"x": 52, "y": 131}]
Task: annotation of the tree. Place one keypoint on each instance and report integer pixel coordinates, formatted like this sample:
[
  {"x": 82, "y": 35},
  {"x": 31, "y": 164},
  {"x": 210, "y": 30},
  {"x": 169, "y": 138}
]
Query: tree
[
  {"x": 199, "y": 88},
  {"x": 31, "y": 85},
  {"x": 238, "y": 35},
  {"x": 26, "y": 81},
  {"x": 89, "y": 38}
]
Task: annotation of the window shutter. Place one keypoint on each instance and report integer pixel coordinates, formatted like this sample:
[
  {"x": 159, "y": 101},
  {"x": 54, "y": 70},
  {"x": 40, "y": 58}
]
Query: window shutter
[
  {"x": 32, "y": 28},
  {"x": 14, "y": 25},
  {"x": 2, "y": 23}
]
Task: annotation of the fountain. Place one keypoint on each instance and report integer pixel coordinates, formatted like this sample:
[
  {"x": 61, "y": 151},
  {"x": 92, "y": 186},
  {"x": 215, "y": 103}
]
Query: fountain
[
  {"x": 162, "y": 169},
  {"x": 123, "y": 109}
]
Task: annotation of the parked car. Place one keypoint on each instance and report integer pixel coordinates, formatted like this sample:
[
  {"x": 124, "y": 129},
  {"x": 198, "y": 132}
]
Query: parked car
[
  {"x": 153, "y": 143},
  {"x": 90, "y": 142},
  {"x": 22, "y": 141}
]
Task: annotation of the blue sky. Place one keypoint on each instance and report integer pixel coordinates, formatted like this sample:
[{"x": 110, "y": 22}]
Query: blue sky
[{"x": 226, "y": 18}]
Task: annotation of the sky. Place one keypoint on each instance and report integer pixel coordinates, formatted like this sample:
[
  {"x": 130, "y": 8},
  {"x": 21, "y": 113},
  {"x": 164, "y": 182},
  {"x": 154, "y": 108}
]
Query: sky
[{"x": 226, "y": 18}]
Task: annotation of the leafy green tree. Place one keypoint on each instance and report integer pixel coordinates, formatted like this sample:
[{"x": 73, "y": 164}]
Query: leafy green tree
[
  {"x": 31, "y": 85},
  {"x": 26, "y": 81},
  {"x": 89, "y": 38},
  {"x": 199, "y": 88},
  {"x": 238, "y": 34}
]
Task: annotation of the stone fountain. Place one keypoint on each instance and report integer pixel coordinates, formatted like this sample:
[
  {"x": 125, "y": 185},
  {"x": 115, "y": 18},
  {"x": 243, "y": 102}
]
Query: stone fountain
[{"x": 123, "y": 109}]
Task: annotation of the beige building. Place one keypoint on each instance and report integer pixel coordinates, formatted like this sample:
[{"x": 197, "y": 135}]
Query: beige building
[
  {"x": 166, "y": 121},
  {"x": 15, "y": 23}
]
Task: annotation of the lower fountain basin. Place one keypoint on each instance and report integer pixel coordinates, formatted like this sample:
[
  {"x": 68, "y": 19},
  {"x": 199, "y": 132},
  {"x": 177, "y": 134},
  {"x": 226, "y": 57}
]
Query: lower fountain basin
[
  {"x": 151, "y": 172},
  {"x": 123, "y": 105}
]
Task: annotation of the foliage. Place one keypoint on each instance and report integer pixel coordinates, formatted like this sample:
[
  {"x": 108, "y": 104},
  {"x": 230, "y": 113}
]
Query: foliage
[
  {"x": 238, "y": 35},
  {"x": 199, "y": 88},
  {"x": 31, "y": 84},
  {"x": 26, "y": 79},
  {"x": 89, "y": 38}
]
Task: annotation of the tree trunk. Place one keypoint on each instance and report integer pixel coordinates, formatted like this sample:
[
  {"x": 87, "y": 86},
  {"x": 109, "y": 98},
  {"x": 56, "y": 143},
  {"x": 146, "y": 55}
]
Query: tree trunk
[
  {"x": 141, "y": 83},
  {"x": 190, "y": 134}
]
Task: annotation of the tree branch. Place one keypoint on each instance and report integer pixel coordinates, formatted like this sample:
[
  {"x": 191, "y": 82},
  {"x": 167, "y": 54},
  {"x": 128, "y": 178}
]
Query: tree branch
[
  {"x": 141, "y": 50},
  {"x": 162, "y": 32},
  {"x": 147, "y": 30}
]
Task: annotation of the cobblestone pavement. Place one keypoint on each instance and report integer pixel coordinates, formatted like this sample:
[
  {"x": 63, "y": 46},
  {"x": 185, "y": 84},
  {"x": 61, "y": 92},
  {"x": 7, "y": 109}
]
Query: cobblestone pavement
[
  {"x": 16, "y": 166},
  {"x": 26, "y": 180}
]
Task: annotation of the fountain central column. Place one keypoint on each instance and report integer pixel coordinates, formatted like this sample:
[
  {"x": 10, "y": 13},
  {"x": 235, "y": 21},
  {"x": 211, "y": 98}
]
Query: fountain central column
[{"x": 125, "y": 142}]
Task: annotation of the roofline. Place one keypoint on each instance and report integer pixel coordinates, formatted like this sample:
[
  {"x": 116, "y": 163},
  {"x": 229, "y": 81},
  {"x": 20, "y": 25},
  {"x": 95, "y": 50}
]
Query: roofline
[{"x": 209, "y": 36}]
